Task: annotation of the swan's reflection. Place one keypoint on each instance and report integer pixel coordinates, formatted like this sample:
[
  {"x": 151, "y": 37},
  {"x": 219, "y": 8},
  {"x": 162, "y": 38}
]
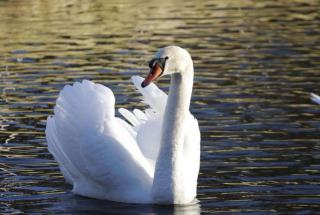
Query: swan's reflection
[
  {"x": 74, "y": 204},
  {"x": 191, "y": 209}
]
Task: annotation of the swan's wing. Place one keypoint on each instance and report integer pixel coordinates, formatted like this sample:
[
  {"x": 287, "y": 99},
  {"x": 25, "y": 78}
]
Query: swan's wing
[
  {"x": 147, "y": 123},
  {"x": 152, "y": 95},
  {"x": 315, "y": 98},
  {"x": 96, "y": 151}
]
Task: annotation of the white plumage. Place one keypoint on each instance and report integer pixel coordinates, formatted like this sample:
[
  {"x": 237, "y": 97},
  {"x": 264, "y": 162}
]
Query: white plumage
[
  {"x": 105, "y": 157},
  {"x": 315, "y": 98}
]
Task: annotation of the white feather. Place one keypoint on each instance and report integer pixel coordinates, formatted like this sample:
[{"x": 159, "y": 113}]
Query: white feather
[
  {"x": 315, "y": 98},
  {"x": 105, "y": 157}
]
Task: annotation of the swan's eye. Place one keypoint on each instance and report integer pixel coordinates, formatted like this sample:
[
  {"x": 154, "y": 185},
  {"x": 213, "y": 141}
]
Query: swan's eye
[
  {"x": 151, "y": 63},
  {"x": 160, "y": 61}
]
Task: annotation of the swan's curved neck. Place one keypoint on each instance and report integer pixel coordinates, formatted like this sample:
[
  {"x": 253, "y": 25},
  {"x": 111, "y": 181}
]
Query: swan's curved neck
[{"x": 168, "y": 178}]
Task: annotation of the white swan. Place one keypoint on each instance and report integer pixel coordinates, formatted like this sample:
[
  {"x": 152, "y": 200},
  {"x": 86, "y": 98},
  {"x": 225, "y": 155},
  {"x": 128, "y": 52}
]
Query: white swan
[
  {"x": 315, "y": 98},
  {"x": 154, "y": 159}
]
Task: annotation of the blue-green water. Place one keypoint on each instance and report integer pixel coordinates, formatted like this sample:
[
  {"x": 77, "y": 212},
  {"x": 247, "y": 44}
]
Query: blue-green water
[{"x": 255, "y": 64}]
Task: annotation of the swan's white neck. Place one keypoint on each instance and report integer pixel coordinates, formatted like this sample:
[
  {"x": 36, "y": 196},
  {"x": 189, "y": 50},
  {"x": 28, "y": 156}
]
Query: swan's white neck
[{"x": 169, "y": 179}]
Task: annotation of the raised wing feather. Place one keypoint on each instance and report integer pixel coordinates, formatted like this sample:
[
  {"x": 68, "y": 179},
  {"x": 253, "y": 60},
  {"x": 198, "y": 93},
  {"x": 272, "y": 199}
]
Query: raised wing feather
[
  {"x": 152, "y": 95},
  {"x": 147, "y": 123},
  {"x": 96, "y": 151}
]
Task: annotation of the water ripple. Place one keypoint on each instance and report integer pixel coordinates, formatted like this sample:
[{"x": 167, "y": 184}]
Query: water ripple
[{"x": 255, "y": 63}]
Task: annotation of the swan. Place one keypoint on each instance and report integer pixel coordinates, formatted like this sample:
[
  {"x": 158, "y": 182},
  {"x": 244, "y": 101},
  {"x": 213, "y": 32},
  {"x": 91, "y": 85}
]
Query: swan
[
  {"x": 315, "y": 98},
  {"x": 153, "y": 156}
]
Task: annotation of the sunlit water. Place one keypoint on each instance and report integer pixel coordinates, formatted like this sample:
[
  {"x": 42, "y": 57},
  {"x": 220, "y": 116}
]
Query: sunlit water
[{"x": 255, "y": 64}]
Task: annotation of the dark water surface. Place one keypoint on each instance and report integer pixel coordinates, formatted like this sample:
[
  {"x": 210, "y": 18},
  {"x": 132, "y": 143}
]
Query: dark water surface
[{"x": 255, "y": 64}]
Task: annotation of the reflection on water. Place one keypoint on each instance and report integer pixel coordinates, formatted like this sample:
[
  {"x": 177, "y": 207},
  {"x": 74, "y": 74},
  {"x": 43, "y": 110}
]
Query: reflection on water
[
  {"x": 76, "y": 204},
  {"x": 255, "y": 64}
]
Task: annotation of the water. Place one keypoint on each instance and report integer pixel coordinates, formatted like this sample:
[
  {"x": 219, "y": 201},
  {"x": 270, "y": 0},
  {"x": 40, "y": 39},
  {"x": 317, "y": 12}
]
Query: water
[{"x": 255, "y": 64}]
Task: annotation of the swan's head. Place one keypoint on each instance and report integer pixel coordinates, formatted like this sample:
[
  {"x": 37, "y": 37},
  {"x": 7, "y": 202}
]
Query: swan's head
[{"x": 168, "y": 60}]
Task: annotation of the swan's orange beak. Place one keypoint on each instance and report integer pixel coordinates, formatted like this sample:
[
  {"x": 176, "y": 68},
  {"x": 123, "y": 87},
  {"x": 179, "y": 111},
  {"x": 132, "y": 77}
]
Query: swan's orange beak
[{"x": 154, "y": 73}]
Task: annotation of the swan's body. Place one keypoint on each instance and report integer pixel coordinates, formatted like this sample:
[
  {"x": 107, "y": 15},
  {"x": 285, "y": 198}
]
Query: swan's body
[
  {"x": 154, "y": 159},
  {"x": 315, "y": 98}
]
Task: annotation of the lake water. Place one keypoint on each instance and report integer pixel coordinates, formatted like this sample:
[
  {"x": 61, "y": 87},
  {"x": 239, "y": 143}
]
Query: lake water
[{"x": 255, "y": 64}]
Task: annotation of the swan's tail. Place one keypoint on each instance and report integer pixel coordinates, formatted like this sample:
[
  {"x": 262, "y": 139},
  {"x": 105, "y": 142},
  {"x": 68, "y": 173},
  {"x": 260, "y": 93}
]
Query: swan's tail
[{"x": 315, "y": 98}]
